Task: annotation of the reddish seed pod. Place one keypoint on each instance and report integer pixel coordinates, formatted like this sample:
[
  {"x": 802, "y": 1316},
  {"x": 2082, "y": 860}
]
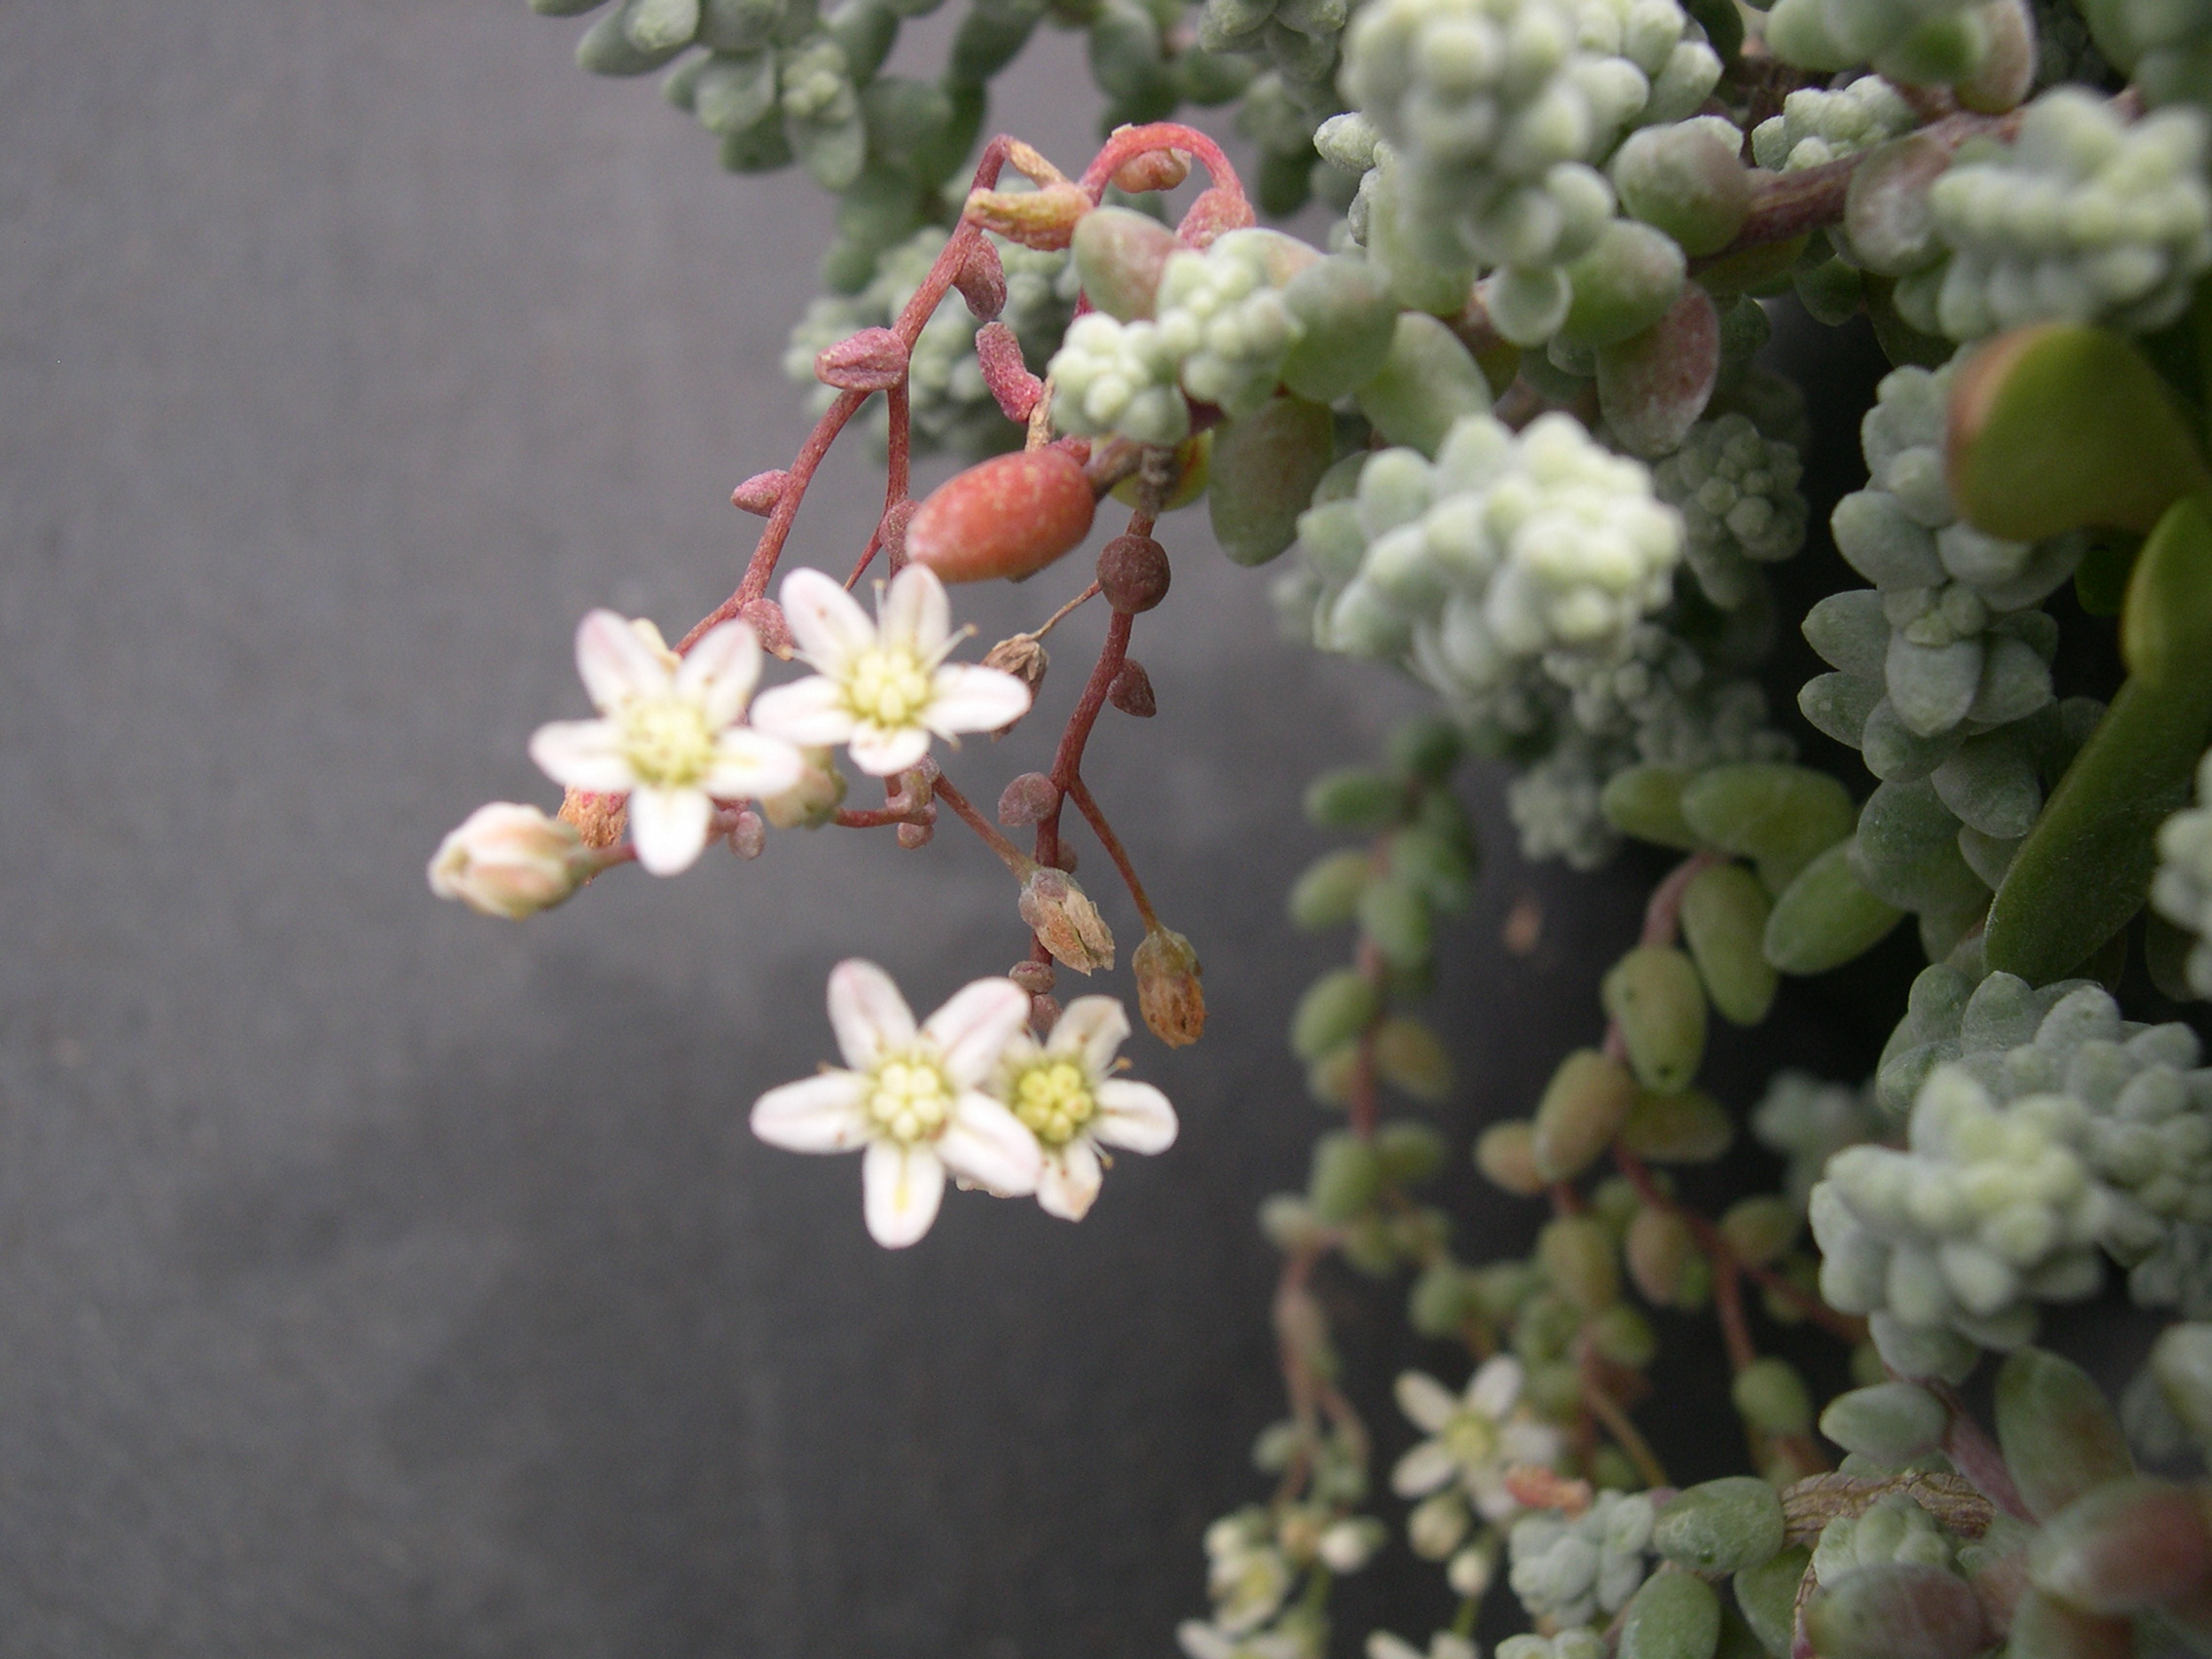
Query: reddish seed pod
[
  {"x": 1011, "y": 516},
  {"x": 1029, "y": 799},
  {"x": 1133, "y": 573},
  {"x": 1154, "y": 169},
  {"x": 760, "y": 493},
  {"x": 999, "y": 354},
  {"x": 1131, "y": 690},
  {"x": 872, "y": 360},
  {"x": 765, "y": 617},
  {"x": 1036, "y": 978},
  {"x": 982, "y": 281}
]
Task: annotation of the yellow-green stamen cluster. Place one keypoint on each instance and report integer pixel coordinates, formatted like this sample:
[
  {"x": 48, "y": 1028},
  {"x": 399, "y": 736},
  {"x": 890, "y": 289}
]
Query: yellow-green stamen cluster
[
  {"x": 1053, "y": 1101},
  {"x": 667, "y": 742},
  {"x": 912, "y": 1100}
]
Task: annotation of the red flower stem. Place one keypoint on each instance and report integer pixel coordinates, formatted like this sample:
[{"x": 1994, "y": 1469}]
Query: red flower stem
[
  {"x": 1066, "y": 611},
  {"x": 1129, "y": 143},
  {"x": 963, "y": 809},
  {"x": 1088, "y": 807}
]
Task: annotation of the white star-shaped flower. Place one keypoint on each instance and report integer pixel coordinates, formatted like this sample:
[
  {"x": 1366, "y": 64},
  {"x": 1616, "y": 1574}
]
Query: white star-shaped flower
[
  {"x": 1474, "y": 1437},
  {"x": 669, "y": 736},
  {"x": 882, "y": 687},
  {"x": 911, "y": 1098},
  {"x": 1063, "y": 1091}
]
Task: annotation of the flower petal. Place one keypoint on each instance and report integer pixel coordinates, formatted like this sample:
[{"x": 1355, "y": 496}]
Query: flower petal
[
  {"x": 988, "y": 1144},
  {"x": 752, "y": 765},
  {"x": 1090, "y": 1030},
  {"x": 827, "y": 624},
  {"x": 1494, "y": 1498},
  {"x": 966, "y": 696},
  {"x": 669, "y": 827},
  {"x": 971, "y": 1030},
  {"x": 913, "y": 612},
  {"x": 720, "y": 672},
  {"x": 1426, "y": 1401},
  {"x": 1422, "y": 1470},
  {"x": 1069, "y": 1182},
  {"x": 816, "y": 1113},
  {"x": 582, "y": 754},
  {"x": 810, "y": 713},
  {"x": 900, "y": 1189},
  {"x": 882, "y": 752},
  {"x": 1493, "y": 1388},
  {"x": 1133, "y": 1116},
  {"x": 869, "y": 1017},
  {"x": 616, "y": 664}
]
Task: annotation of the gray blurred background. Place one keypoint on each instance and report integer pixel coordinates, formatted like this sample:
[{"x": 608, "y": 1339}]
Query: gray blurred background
[{"x": 377, "y": 1279}]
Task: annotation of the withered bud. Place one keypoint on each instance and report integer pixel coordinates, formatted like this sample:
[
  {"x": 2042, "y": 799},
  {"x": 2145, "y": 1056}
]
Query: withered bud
[
  {"x": 601, "y": 820},
  {"x": 890, "y": 532},
  {"x": 814, "y": 800},
  {"x": 1024, "y": 658},
  {"x": 1043, "y": 1014},
  {"x": 914, "y": 835},
  {"x": 872, "y": 360},
  {"x": 1031, "y": 165},
  {"x": 1065, "y": 921},
  {"x": 1133, "y": 573},
  {"x": 998, "y": 353},
  {"x": 747, "y": 835},
  {"x": 765, "y": 617},
  {"x": 1168, "y": 993},
  {"x": 1029, "y": 799},
  {"x": 981, "y": 281},
  {"x": 1043, "y": 220},
  {"x": 1034, "y": 976},
  {"x": 1131, "y": 690},
  {"x": 1216, "y": 212},
  {"x": 760, "y": 493},
  {"x": 1154, "y": 169}
]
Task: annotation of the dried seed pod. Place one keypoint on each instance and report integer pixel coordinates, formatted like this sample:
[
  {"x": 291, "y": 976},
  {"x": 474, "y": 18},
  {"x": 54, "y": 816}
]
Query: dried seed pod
[
  {"x": 1030, "y": 798},
  {"x": 981, "y": 280},
  {"x": 872, "y": 360},
  {"x": 1168, "y": 993},
  {"x": 1065, "y": 921}
]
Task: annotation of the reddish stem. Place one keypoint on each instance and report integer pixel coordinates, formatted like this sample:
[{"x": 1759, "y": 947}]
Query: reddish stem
[
  {"x": 1067, "y": 760},
  {"x": 1088, "y": 807},
  {"x": 1009, "y": 854},
  {"x": 1128, "y": 142}
]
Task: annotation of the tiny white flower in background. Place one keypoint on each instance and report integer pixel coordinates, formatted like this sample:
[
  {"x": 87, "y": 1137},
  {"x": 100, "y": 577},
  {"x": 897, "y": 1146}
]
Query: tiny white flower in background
[
  {"x": 1247, "y": 1574},
  {"x": 1443, "y": 1644},
  {"x": 1475, "y": 1436},
  {"x": 911, "y": 1099},
  {"x": 512, "y": 861},
  {"x": 1350, "y": 1544},
  {"x": 669, "y": 736},
  {"x": 1065, "y": 1093},
  {"x": 1470, "y": 1572},
  {"x": 1202, "y": 1640},
  {"x": 882, "y": 687}
]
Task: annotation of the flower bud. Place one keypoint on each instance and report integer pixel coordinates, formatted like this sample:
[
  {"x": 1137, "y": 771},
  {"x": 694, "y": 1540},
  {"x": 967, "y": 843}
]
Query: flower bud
[
  {"x": 2127, "y": 1547},
  {"x": 891, "y": 531},
  {"x": 747, "y": 835},
  {"x": 1890, "y": 1422},
  {"x": 1034, "y": 976},
  {"x": 1581, "y": 1111},
  {"x": 872, "y": 360},
  {"x": 1005, "y": 373},
  {"x": 1897, "y": 1611},
  {"x": 1010, "y": 516},
  {"x": 1470, "y": 1572},
  {"x": 914, "y": 836},
  {"x": 1043, "y": 219},
  {"x": 1120, "y": 254},
  {"x": 765, "y": 617},
  {"x": 1131, "y": 690},
  {"x": 1153, "y": 169},
  {"x": 1043, "y": 1014},
  {"x": 601, "y": 820},
  {"x": 1506, "y": 1152},
  {"x": 1030, "y": 798},
  {"x": 760, "y": 493},
  {"x": 981, "y": 283},
  {"x": 1759, "y": 1228},
  {"x": 1168, "y": 993},
  {"x": 1658, "y": 1244},
  {"x": 2058, "y": 1436},
  {"x": 1772, "y": 1397},
  {"x": 1654, "y": 994},
  {"x": 1065, "y": 921},
  {"x": 1133, "y": 573},
  {"x": 1437, "y": 1525},
  {"x": 1675, "y": 1615},
  {"x": 1721, "y": 1526},
  {"x": 1348, "y": 1545},
  {"x": 1577, "y": 1257},
  {"x": 511, "y": 861},
  {"x": 813, "y": 800}
]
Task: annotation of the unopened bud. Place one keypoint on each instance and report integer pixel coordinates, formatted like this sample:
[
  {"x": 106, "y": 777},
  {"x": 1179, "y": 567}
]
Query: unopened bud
[
  {"x": 747, "y": 835},
  {"x": 765, "y": 617},
  {"x": 811, "y": 801},
  {"x": 1582, "y": 1109},
  {"x": 1032, "y": 976},
  {"x": 1010, "y": 516},
  {"x": 760, "y": 493},
  {"x": 872, "y": 360},
  {"x": 1043, "y": 1014},
  {"x": 1168, "y": 993},
  {"x": 981, "y": 280},
  {"x": 511, "y": 861},
  {"x": 1043, "y": 219},
  {"x": 1005, "y": 373},
  {"x": 1438, "y": 1525},
  {"x": 1030, "y": 798},
  {"x": 601, "y": 820},
  {"x": 1131, "y": 690},
  {"x": 1133, "y": 573},
  {"x": 1507, "y": 1154},
  {"x": 914, "y": 836},
  {"x": 1154, "y": 169},
  {"x": 1065, "y": 921},
  {"x": 1214, "y": 214}
]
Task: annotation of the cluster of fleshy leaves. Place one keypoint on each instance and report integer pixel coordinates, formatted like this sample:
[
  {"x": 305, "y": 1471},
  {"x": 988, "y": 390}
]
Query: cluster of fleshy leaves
[{"x": 1509, "y": 417}]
